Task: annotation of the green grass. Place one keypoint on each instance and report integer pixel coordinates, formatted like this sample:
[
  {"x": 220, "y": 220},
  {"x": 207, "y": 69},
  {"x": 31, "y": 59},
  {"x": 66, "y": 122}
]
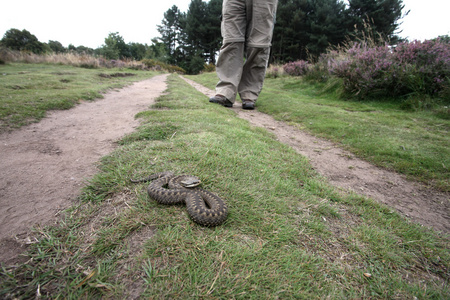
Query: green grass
[
  {"x": 413, "y": 143},
  {"x": 288, "y": 235},
  {"x": 28, "y": 91}
]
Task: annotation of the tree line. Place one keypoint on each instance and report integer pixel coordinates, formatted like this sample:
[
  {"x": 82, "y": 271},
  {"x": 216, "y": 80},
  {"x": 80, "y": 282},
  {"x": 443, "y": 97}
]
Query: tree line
[
  {"x": 114, "y": 47},
  {"x": 304, "y": 29}
]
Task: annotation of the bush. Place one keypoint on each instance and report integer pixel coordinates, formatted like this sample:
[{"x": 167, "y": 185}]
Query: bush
[
  {"x": 416, "y": 68},
  {"x": 319, "y": 71},
  {"x": 365, "y": 70},
  {"x": 175, "y": 69},
  {"x": 153, "y": 64},
  {"x": 208, "y": 68},
  {"x": 424, "y": 66},
  {"x": 274, "y": 71},
  {"x": 159, "y": 66},
  {"x": 194, "y": 65},
  {"x": 296, "y": 68}
]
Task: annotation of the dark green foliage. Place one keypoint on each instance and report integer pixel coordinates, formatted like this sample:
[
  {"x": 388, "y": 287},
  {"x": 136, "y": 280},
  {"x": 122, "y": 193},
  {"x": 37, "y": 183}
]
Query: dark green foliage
[
  {"x": 83, "y": 50},
  {"x": 291, "y": 30},
  {"x": 195, "y": 65},
  {"x": 171, "y": 32},
  {"x": 159, "y": 65},
  {"x": 190, "y": 39},
  {"x": 137, "y": 51},
  {"x": 157, "y": 50},
  {"x": 382, "y": 15},
  {"x": 56, "y": 47},
  {"x": 15, "y": 39},
  {"x": 326, "y": 27},
  {"x": 306, "y": 28},
  {"x": 203, "y": 27},
  {"x": 115, "y": 47}
]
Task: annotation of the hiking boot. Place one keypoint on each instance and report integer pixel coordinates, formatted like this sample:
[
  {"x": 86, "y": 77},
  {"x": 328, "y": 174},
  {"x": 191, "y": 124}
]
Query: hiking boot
[
  {"x": 248, "y": 104},
  {"x": 222, "y": 100}
]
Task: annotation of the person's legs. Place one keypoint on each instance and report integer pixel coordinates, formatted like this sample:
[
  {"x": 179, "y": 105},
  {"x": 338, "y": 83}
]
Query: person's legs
[
  {"x": 231, "y": 56},
  {"x": 253, "y": 73},
  {"x": 258, "y": 41},
  {"x": 229, "y": 69}
]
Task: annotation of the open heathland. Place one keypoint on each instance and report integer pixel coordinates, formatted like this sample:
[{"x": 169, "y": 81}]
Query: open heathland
[{"x": 289, "y": 234}]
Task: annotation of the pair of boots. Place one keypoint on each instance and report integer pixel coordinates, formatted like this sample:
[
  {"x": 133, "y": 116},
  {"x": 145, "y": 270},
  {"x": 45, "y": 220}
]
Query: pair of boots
[{"x": 222, "y": 100}]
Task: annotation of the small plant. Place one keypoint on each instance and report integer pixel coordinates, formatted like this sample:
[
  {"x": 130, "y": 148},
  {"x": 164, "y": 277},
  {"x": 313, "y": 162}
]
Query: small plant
[
  {"x": 319, "y": 70},
  {"x": 274, "y": 71},
  {"x": 209, "y": 68},
  {"x": 148, "y": 270},
  {"x": 296, "y": 68}
]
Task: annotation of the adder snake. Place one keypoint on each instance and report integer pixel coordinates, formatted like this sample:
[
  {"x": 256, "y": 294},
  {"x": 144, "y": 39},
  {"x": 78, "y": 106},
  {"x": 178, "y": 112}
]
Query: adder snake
[{"x": 204, "y": 207}]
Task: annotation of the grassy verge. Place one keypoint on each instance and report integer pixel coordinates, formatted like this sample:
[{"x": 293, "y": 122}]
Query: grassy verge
[
  {"x": 412, "y": 143},
  {"x": 288, "y": 234},
  {"x": 28, "y": 91}
]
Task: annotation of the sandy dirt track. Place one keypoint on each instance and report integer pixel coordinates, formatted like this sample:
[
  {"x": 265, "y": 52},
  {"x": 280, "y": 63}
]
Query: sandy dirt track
[{"x": 44, "y": 165}]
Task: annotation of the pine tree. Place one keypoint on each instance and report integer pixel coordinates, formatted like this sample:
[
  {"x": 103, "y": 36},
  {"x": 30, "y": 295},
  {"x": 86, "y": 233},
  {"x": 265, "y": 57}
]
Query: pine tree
[
  {"x": 377, "y": 18},
  {"x": 203, "y": 28},
  {"x": 291, "y": 33},
  {"x": 172, "y": 33},
  {"x": 327, "y": 28}
]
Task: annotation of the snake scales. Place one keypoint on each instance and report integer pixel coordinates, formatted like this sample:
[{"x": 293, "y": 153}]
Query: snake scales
[{"x": 204, "y": 207}]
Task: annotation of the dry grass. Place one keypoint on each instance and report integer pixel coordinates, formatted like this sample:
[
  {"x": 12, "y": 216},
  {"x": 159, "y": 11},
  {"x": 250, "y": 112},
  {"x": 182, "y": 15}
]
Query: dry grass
[
  {"x": 275, "y": 71},
  {"x": 71, "y": 59}
]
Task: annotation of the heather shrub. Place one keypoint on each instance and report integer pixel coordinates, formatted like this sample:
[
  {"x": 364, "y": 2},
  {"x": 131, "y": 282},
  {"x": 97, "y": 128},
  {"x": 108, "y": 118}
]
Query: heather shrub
[
  {"x": 424, "y": 67},
  {"x": 296, "y": 68},
  {"x": 365, "y": 70},
  {"x": 410, "y": 69}
]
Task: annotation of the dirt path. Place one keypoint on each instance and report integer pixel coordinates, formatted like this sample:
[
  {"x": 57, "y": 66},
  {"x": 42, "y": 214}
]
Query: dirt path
[
  {"x": 44, "y": 165},
  {"x": 413, "y": 200}
]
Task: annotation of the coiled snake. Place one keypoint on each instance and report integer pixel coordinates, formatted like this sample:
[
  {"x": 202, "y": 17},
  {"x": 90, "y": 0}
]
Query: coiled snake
[{"x": 204, "y": 207}]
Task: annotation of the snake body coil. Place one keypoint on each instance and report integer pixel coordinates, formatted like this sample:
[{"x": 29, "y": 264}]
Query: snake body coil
[{"x": 204, "y": 207}]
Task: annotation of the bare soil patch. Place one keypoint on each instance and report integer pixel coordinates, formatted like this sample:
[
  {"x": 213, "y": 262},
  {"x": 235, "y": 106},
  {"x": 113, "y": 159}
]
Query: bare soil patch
[
  {"x": 414, "y": 200},
  {"x": 44, "y": 165}
]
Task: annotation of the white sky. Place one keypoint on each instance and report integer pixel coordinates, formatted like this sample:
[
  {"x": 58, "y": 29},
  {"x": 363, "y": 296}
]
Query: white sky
[{"x": 88, "y": 23}]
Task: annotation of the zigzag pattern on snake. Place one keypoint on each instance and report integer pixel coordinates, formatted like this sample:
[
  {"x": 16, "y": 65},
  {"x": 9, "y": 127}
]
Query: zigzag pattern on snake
[{"x": 204, "y": 207}]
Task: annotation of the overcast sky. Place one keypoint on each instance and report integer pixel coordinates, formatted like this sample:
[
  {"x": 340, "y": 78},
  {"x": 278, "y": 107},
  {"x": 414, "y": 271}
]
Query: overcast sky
[{"x": 88, "y": 23}]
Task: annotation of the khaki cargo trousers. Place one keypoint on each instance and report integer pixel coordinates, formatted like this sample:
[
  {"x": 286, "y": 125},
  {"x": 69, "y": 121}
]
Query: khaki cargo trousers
[{"x": 247, "y": 29}]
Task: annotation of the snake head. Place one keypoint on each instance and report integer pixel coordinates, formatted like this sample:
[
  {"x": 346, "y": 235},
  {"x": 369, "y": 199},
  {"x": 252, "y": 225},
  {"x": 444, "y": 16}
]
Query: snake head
[{"x": 190, "y": 182}]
